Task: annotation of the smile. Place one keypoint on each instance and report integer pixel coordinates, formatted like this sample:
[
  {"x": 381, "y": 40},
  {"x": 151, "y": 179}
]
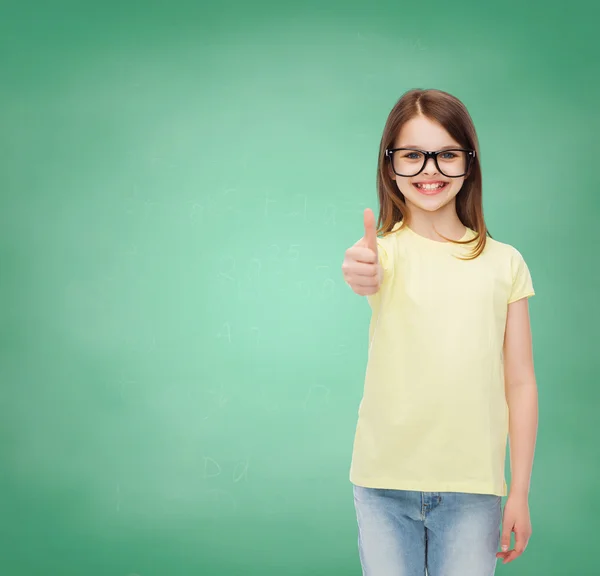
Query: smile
[{"x": 430, "y": 188}]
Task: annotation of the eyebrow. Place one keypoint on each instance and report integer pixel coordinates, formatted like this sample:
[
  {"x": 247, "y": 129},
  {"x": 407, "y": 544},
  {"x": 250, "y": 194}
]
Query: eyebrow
[{"x": 414, "y": 147}]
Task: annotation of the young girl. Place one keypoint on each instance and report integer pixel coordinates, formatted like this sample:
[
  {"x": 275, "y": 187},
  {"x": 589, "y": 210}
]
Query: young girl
[{"x": 450, "y": 370}]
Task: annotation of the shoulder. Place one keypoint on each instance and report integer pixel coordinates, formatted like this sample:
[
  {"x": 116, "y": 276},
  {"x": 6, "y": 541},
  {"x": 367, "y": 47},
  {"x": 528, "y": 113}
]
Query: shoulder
[
  {"x": 390, "y": 239},
  {"x": 504, "y": 258},
  {"x": 389, "y": 244},
  {"x": 503, "y": 251},
  {"x": 508, "y": 261}
]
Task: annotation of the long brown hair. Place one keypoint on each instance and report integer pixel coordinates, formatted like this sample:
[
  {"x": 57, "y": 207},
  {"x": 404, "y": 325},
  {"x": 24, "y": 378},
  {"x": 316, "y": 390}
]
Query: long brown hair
[{"x": 451, "y": 113}]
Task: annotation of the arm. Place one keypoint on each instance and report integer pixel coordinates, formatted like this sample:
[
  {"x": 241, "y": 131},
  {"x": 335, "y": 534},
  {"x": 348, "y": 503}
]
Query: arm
[
  {"x": 522, "y": 399},
  {"x": 521, "y": 395}
]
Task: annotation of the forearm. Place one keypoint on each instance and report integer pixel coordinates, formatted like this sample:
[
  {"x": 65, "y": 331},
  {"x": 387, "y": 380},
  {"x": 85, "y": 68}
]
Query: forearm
[{"x": 522, "y": 401}]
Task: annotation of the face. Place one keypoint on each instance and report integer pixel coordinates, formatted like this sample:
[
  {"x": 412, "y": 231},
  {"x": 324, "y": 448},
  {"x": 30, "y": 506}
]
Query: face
[{"x": 430, "y": 190}]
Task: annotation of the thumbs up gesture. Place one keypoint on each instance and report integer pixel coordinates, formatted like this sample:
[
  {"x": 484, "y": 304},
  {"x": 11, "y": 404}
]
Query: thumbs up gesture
[{"x": 361, "y": 268}]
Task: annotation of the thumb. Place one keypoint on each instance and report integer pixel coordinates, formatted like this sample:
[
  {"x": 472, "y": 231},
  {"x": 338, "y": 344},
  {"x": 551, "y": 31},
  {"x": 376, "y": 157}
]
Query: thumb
[
  {"x": 505, "y": 540},
  {"x": 370, "y": 230}
]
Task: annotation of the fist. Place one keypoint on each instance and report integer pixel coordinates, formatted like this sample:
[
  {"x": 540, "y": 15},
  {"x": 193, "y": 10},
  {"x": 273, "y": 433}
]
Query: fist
[{"x": 361, "y": 268}]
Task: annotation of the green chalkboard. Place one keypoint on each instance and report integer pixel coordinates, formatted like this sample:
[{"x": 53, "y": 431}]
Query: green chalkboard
[{"x": 180, "y": 360}]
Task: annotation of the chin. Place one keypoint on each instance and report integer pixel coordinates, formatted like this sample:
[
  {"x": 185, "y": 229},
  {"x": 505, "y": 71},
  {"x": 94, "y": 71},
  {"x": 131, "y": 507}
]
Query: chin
[{"x": 429, "y": 204}]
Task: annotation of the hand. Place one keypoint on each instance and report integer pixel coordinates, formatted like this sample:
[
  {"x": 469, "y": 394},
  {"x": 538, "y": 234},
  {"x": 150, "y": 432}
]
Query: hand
[
  {"x": 361, "y": 268},
  {"x": 515, "y": 519}
]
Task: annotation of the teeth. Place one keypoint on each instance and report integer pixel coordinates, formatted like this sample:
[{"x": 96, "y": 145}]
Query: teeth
[{"x": 430, "y": 186}]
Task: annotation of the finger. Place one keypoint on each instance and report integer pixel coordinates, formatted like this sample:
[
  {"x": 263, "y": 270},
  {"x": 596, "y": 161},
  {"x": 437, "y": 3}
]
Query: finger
[
  {"x": 365, "y": 291},
  {"x": 362, "y": 254},
  {"x": 365, "y": 282},
  {"x": 505, "y": 540},
  {"x": 370, "y": 230},
  {"x": 520, "y": 544},
  {"x": 362, "y": 280},
  {"x": 510, "y": 556},
  {"x": 364, "y": 269},
  {"x": 513, "y": 554}
]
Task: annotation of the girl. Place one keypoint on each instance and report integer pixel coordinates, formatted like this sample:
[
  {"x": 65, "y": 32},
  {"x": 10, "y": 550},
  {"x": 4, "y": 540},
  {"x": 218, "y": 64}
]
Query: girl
[{"x": 450, "y": 370}]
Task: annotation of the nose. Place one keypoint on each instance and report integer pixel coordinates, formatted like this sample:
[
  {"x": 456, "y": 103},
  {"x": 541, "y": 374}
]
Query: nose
[{"x": 430, "y": 167}]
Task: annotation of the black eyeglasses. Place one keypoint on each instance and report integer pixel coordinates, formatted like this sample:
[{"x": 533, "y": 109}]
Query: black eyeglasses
[{"x": 409, "y": 162}]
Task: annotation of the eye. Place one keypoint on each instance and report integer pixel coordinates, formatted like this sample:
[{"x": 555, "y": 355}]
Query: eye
[{"x": 448, "y": 155}]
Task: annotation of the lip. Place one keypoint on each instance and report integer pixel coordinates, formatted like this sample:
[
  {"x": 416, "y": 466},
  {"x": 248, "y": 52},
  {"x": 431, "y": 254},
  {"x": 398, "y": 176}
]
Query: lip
[{"x": 430, "y": 192}]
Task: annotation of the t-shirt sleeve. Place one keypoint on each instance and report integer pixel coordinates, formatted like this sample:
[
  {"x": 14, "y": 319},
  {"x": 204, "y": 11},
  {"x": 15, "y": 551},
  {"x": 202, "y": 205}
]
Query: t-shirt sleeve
[
  {"x": 522, "y": 285},
  {"x": 384, "y": 255}
]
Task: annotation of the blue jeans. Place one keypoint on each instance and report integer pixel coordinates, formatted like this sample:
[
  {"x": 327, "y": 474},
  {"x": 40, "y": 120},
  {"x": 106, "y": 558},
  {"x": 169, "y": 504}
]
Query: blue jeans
[{"x": 404, "y": 533}]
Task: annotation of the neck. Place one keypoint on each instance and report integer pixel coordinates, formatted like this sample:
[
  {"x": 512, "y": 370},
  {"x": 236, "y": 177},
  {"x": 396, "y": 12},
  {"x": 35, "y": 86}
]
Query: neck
[{"x": 428, "y": 224}]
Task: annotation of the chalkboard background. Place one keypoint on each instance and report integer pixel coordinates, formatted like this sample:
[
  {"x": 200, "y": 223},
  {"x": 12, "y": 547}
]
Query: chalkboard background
[{"x": 180, "y": 360}]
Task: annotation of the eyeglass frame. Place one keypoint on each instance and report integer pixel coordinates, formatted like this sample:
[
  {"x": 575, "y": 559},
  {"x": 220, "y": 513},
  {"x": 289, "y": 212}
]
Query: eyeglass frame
[{"x": 389, "y": 153}]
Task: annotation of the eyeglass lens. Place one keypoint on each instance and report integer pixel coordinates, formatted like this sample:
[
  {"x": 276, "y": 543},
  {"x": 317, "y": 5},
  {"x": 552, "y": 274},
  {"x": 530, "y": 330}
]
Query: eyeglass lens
[{"x": 410, "y": 162}]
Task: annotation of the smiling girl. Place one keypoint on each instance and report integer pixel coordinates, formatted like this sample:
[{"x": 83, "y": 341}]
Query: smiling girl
[{"x": 450, "y": 369}]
